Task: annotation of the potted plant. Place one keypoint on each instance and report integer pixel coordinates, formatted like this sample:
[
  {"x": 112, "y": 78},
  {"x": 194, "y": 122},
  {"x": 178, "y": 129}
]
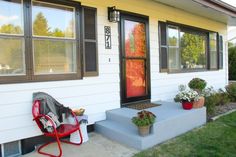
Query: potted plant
[
  {"x": 198, "y": 85},
  {"x": 144, "y": 120},
  {"x": 186, "y": 97}
]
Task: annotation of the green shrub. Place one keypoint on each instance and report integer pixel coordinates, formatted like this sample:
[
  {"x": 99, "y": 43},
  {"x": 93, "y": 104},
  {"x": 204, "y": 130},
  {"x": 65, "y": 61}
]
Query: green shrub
[
  {"x": 210, "y": 103},
  {"x": 223, "y": 97},
  {"x": 231, "y": 89},
  {"x": 197, "y": 84},
  {"x": 213, "y": 99},
  {"x": 232, "y": 63}
]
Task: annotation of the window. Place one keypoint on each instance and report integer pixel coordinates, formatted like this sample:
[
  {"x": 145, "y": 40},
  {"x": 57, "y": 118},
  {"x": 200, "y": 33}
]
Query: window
[
  {"x": 54, "y": 38},
  {"x": 12, "y": 57},
  {"x": 42, "y": 40},
  {"x": 185, "y": 48}
]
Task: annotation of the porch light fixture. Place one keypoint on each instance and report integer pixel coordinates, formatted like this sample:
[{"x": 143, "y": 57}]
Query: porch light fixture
[{"x": 113, "y": 14}]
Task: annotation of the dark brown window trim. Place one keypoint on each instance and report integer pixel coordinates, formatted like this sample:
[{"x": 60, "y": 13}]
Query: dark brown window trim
[
  {"x": 195, "y": 30},
  {"x": 29, "y": 72},
  {"x": 186, "y": 71},
  {"x": 189, "y": 27},
  {"x": 84, "y": 40}
]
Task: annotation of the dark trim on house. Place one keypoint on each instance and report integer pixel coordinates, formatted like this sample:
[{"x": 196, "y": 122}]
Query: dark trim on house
[
  {"x": 139, "y": 18},
  {"x": 189, "y": 27},
  {"x": 29, "y": 75},
  {"x": 219, "y": 6},
  {"x": 84, "y": 40}
]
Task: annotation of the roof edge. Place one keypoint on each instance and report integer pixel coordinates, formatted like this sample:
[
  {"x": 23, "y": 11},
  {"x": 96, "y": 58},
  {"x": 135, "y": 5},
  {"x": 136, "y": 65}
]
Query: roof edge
[{"x": 219, "y": 6}]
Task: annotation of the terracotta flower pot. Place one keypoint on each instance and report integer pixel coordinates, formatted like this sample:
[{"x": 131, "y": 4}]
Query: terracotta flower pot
[
  {"x": 144, "y": 130},
  {"x": 199, "y": 103},
  {"x": 187, "y": 105}
]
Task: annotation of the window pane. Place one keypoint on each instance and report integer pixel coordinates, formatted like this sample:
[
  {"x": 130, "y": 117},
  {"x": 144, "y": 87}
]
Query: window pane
[
  {"x": 11, "y": 17},
  {"x": 213, "y": 50},
  {"x": 193, "y": 50},
  {"x": 135, "y": 39},
  {"x": 173, "y": 36},
  {"x": 213, "y": 59},
  {"x": 53, "y": 57},
  {"x": 174, "y": 62},
  {"x": 53, "y": 20},
  {"x": 213, "y": 36},
  {"x": 213, "y": 45},
  {"x": 213, "y": 41},
  {"x": 12, "y": 56}
]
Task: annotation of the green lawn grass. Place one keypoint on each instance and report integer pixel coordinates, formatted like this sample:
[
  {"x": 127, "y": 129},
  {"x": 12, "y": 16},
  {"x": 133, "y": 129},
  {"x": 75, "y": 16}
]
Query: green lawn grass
[{"x": 215, "y": 139}]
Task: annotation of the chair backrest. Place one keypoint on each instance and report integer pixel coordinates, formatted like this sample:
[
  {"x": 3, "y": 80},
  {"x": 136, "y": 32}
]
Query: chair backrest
[
  {"x": 36, "y": 113},
  {"x": 36, "y": 108}
]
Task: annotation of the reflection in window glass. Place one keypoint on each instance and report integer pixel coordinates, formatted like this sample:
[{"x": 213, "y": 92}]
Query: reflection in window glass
[
  {"x": 135, "y": 39},
  {"x": 53, "y": 20},
  {"x": 213, "y": 50},
  {"x": 193, "y": 50},
  {"x": 173, "y": 36},
  {"x": 12, "y": 56},
  {"x": 174, "y": 62},
  {"x": 135, "y": 78},
  {"x": 11, "y": 17},
  {"x": 54, "y": 57}
]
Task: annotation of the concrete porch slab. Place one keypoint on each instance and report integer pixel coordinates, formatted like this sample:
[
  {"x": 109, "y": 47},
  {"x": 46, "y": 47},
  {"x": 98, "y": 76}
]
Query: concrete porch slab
[
  {"x": 171, "y": 121},
  {"x": 97, "y": 146}
]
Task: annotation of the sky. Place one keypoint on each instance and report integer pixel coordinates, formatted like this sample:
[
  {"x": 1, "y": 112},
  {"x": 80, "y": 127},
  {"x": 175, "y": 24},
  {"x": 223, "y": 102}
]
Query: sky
[
  {"x": 12, "y": 14},
  {"x": 231, "y": 2}
]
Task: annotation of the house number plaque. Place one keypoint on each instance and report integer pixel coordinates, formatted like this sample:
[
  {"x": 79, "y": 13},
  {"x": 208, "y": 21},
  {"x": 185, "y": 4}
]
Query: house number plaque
[{"x": 107, "y": 30}]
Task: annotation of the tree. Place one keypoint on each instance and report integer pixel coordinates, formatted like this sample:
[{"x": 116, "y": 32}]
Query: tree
[
  {"x": 58, "y": 33},
  {"x": 10, "y": 29},
  {"x": 192, "y": 50},
  {"x": 40, "y": 25}
]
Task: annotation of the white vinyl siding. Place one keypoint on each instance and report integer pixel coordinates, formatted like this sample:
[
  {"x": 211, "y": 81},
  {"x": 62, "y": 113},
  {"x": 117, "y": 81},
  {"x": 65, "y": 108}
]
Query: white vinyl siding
[{"x": 102, "y": 93}]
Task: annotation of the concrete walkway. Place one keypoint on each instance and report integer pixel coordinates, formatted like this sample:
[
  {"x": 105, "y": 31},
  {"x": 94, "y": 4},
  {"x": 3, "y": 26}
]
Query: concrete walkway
[{"x": 97, "y": 146}]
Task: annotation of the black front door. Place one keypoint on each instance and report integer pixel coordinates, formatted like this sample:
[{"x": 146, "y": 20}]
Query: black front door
[{"x": 135, "y": 68}]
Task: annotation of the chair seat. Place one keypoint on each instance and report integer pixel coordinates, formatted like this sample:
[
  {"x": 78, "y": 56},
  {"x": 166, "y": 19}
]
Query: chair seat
[{"x": 64, "y": 130}]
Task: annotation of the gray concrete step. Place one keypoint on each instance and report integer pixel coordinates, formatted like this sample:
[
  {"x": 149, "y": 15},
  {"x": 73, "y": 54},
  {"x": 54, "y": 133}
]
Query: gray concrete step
[
  {"x": 122, "y": 134},
  {"x": 171, "y": 121},
  {"x": 124, "y": 117}
]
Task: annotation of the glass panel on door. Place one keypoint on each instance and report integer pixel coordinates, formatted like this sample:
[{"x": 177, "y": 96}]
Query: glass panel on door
[
  {"x": 135, "y": 39},
  {"x": 135, "y": 78},
  {"x": 135, "y": 59}
]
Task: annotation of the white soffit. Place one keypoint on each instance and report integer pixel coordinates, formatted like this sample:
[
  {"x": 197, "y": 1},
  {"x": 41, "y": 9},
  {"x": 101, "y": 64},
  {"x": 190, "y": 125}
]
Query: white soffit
[{"x": 197, "y": 7}]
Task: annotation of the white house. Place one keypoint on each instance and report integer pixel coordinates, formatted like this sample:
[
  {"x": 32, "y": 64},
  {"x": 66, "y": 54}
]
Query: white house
[{"x": 71, "y": 50}]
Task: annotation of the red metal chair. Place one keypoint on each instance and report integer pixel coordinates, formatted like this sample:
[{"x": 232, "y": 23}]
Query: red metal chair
[{"x": 62, "y": 131}]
